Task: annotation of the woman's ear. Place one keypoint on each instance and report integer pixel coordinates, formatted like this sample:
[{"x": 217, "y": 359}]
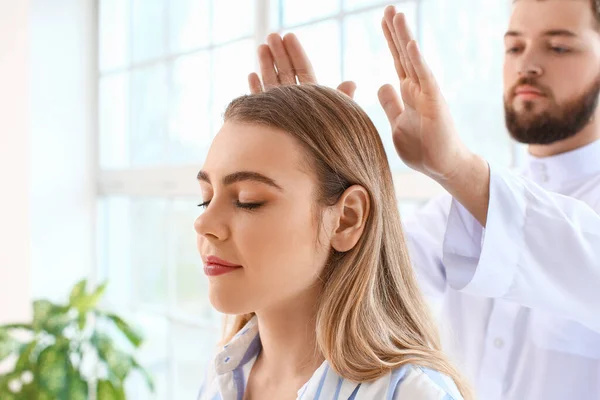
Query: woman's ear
[{"x": 352, "y": 210}]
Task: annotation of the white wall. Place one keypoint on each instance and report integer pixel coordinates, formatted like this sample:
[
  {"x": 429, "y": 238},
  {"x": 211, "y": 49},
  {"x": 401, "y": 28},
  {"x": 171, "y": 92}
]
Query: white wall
[
  {"x": 63, "y": 109},
  {"x": 47, "y": 149},
  {"x": 14, "y": 161}
]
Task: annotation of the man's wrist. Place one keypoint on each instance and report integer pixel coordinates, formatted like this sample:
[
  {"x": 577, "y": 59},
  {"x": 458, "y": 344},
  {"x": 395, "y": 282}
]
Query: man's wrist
[
  {"x": 469, "y": 184},
  {"x": 464, "y": 162}
]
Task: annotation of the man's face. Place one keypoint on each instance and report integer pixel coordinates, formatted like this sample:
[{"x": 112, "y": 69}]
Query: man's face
[{"x": 551, "y": 69}]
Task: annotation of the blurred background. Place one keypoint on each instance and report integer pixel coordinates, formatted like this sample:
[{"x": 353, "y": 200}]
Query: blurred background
[{"x": 107, "y": 110}]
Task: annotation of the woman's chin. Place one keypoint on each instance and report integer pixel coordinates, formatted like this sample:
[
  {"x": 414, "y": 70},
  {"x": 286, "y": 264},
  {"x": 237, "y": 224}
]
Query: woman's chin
[{"x": 226, "y": 303}]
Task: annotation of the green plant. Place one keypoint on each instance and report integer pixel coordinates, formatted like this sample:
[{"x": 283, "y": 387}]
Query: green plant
[{"x": 68, "y": 351}]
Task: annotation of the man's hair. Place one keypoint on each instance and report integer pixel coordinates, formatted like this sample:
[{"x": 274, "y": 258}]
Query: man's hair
[{"x": 595, "y": 10}]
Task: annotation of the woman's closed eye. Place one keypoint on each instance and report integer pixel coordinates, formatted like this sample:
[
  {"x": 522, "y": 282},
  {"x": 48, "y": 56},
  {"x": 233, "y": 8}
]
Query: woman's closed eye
[
  {"x": 248, "y": 206},
  {"x": 238, "y": 204}
]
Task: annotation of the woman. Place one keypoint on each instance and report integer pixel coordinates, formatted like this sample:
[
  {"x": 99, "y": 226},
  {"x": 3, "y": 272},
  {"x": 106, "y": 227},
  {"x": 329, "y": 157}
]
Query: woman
[{"x": 302, "y": 242}]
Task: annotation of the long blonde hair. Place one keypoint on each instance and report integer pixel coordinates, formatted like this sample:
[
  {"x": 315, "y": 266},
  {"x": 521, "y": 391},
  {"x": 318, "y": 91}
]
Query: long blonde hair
[{"x": 371, "y": 317}]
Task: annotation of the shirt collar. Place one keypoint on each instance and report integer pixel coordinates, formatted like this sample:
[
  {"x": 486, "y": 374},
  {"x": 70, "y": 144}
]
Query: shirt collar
[
  {"x": 556, "y": 171},
  {"x": 244, "y": 346}
]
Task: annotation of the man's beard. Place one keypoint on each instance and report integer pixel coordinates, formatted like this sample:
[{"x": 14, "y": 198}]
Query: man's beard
[{"x": 559, "y": 122}]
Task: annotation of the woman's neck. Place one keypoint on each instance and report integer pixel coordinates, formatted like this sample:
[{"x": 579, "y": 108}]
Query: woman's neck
[{"x": 288, "y": 338}]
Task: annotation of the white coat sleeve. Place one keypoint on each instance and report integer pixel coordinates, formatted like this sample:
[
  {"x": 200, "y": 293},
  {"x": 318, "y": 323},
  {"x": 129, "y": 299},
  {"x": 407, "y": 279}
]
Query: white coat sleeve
[
  {"x": 424, "y": 231},
  {"x": 539, "y": 249}
]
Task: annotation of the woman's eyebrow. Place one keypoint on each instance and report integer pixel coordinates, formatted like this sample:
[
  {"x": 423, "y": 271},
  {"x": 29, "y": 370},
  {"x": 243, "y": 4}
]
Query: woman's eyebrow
[{"x": 241, "y": 176}]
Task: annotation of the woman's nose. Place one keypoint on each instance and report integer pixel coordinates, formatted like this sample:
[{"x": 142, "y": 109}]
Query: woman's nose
[{"x": 210, "y": 224}]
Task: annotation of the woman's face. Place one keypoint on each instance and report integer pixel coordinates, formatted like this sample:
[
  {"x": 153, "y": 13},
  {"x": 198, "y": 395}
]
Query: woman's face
[{"x": 260, "y": 218}]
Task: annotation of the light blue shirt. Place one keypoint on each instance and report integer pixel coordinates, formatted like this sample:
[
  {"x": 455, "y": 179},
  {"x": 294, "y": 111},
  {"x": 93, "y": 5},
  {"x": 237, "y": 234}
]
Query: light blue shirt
[{"x": 228, "y": 376}]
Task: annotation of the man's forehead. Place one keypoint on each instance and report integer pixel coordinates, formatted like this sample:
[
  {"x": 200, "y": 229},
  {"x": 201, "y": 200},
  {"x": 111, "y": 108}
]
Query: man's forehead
[{"x": 535, "y": 17}]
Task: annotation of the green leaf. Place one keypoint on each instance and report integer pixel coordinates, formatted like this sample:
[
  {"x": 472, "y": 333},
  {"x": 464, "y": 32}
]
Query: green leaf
[
  {"x": 42, "y": 309},
  {"x": 32, "y": 391},
  {"x": 50, "y": 317},
  {"x": 52, "y": 370},
  {"x": 4, "y": 382},
  {"x": 78, "y": 387},
  {"x": 58, "y": 321},
  {"x": 25, "y": 357},
  {"x": 99, "y": 292},
  {"x": 8, "y": 344},
  {"x": 133, "y": 335},
  {"x": 86, "y": 303},
  {"x": 5, "y": 392},
  {"x": 81, "y": 321},
  {"x": 77, "y": 292},
  {"x": 41, "y": 395},
  {"x": 120, "y": 392},
  {"x": 9, "y": 396},
  {"x": 107, "y": 391},
  {"x": 63, "y": 343},
  {"x": 28, "y": 391},
  {"x": 119, "y": 363},
  {"x": 17, "y": 326},
  {"x": 145, "y": 373}
]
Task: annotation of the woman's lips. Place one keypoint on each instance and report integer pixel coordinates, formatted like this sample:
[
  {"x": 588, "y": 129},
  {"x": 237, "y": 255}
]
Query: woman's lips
[{"x": 215, "y": 266}]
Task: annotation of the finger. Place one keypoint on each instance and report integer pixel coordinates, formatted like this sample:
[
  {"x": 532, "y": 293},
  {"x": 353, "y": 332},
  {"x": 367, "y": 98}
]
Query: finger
[
  {"x": 285, "y": 70},
  {"x": 404, "y": 37},
  {"x": 389, "y": 14},
  {"x": 390, "y": 102},
  {"x": 267, "y": 67},
  {"x": 348, "y": 88},
  {"x": 392, "y": 46},
  {"x": 424, "y": 75},
  {"x": 254, "y": 83},
  {"x": 302, "y": 65}
]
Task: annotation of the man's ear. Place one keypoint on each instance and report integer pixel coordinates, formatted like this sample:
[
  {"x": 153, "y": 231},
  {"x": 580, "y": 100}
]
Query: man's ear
[{"x": 351, "y": 212}]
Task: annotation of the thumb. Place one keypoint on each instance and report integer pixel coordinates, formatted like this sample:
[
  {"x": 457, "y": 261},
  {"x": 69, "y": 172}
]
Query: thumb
[{"x": 348, "y": 88}]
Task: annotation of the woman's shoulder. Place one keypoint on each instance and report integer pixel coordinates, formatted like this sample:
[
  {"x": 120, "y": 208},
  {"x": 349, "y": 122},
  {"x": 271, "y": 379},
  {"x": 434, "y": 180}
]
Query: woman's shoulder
[
  {"x": 416, "y": 382},
  {"x": 208, "y": 380},
  {"x": 408, "y": 382},
  {"x": 207, "y": 383}
]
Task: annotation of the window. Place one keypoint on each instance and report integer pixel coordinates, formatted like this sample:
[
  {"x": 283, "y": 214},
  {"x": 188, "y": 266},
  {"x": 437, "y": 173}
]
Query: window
[{"x": 167, "y": 69}]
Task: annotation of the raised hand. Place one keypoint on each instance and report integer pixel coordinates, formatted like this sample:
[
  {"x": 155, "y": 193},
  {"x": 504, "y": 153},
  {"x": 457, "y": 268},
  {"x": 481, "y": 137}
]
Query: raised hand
[
  {"x": 422, "y": 128},
  {"x": 283, "y": 61}
]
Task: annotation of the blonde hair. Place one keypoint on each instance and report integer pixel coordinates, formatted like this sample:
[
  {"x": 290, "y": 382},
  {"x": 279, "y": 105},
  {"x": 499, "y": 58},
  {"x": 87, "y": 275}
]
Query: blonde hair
[{"x": 371, "y": 317}]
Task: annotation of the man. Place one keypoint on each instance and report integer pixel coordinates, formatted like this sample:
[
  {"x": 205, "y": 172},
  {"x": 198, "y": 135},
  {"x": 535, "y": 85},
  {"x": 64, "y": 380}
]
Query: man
[{"x": 513, "y": 262}]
